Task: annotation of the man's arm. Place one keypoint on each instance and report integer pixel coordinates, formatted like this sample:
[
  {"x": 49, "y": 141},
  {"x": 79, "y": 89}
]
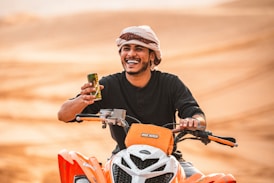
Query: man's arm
[
  {"x": 74, "y": 106},
  {"x": 70, "y": 108}
]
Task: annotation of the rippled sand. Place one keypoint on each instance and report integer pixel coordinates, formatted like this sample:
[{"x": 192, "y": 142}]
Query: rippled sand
[{"x": 224, "y": 54}]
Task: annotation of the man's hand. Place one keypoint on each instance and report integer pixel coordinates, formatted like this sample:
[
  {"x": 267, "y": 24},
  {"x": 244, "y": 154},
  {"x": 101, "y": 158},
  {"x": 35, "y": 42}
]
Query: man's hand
[
  {"x": 197, "y": 122},
  {"x": 75, "y": 106},
  {"x": 86, "y": 91},
  {"x": 189, "y": 123}
]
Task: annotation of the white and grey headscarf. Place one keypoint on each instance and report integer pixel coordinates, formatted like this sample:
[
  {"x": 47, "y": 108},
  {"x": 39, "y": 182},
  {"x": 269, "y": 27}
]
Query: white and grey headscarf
[{"x": 141, "y": 35}]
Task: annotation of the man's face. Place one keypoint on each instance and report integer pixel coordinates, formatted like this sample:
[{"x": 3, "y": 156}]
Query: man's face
[{"x": 135, "y": 58}]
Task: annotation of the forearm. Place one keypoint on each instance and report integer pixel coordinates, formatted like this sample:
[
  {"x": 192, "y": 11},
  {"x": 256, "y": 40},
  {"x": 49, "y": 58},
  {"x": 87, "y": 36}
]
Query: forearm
[{"x": 70, "y": 108}]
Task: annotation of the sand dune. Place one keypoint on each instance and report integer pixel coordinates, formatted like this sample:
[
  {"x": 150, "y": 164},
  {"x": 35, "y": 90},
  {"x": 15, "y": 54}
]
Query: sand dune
[{"x": 224, "y": 54}]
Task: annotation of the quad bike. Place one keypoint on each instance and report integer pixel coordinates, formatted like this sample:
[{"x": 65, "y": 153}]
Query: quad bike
[{"x": 147, "y": 159}]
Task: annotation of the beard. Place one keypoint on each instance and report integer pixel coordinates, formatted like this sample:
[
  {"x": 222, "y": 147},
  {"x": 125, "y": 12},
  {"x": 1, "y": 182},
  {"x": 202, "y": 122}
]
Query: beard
[{"x": 145, "y": 66}]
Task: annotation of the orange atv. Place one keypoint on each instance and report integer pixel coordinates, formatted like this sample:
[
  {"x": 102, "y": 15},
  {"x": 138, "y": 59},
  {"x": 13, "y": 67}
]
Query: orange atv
[{"x": 147, "y": 159}]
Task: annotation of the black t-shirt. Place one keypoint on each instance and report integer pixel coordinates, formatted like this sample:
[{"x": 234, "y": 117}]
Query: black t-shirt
[{"x": 156, "y": 103}]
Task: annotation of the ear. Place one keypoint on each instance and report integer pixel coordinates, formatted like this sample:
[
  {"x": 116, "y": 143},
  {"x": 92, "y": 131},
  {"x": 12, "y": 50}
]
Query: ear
[
  {"x": 152, "y": 60},
  {"x": 152, "y": 56},
  {"x": 152, "y": 66}
]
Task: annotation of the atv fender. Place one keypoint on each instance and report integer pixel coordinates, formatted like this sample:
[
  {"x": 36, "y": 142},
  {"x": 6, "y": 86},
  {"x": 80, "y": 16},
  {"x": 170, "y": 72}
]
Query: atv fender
[{"x": 73, "y": 164}]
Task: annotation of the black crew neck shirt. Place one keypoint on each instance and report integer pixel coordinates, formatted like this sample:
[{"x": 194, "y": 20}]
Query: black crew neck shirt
[{"x": 156, "y": 103}]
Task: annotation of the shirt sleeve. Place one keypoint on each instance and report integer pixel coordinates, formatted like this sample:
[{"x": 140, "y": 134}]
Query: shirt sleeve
[{"x": 185, "y": 103}]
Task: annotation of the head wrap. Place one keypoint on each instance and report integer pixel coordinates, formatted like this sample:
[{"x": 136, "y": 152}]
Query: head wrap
[{"x": 140, "y": 35}]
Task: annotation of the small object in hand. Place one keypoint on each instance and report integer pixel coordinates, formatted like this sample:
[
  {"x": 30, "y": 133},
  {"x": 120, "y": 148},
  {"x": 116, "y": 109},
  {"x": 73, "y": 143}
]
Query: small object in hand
[{"x": 93, "y": 78}]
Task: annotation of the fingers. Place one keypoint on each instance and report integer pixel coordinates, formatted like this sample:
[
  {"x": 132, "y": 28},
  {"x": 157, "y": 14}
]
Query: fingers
[
  {"x": 87, "y": 99},
  {"x": 85, "y": 96},
  {"x": 189, "y": 123},
  {"x": 86, "y": 91},
  {"x": 87, "y": 88}
]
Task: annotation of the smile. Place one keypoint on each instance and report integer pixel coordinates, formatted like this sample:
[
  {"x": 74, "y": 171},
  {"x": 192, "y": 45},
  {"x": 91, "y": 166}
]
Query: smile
[{"x": 132, "y": 62}]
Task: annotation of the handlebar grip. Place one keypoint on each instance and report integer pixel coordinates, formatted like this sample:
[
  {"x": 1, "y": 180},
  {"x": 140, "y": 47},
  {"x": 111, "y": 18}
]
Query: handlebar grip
[
  {"x": 88, "y": 117},
  {"x": 176, "y": 130},
  {"x": 223, "y": 140},
  {"x": 78, "y": 118}
]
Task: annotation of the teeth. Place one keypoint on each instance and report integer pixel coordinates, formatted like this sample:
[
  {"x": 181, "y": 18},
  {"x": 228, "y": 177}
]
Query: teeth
[{"x": 132, "y": 62}]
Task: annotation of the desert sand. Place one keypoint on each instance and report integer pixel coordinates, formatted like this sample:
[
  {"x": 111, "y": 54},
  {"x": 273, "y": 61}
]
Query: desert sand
[{"x": 224, "y": 54}]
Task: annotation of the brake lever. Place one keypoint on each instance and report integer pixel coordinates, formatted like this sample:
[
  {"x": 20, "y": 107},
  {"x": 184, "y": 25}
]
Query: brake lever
[{"x": 115, "y": 117}]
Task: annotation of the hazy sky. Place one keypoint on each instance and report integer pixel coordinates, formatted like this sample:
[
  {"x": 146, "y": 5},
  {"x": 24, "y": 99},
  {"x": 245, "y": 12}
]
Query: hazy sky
[{"x": 57, "y": 7}]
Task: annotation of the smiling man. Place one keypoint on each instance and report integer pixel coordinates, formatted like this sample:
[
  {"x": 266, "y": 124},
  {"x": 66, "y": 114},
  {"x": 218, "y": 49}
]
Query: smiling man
[
  {"x": 139, "y": 49},
  {"x": 146, "y": 94}
]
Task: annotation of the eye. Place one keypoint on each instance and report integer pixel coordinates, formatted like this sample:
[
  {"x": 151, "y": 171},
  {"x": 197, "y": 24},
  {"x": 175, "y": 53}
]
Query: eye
[
  {"x": 125, "y": 48},
  {"x": 139, "y": 48}
]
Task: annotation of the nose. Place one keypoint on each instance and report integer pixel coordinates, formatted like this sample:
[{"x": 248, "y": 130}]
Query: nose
[{"x": 131, "y": 53}]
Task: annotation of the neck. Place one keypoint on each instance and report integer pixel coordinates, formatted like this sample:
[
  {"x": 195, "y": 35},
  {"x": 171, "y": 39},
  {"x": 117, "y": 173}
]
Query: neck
[{"x": 139, "y": 80}]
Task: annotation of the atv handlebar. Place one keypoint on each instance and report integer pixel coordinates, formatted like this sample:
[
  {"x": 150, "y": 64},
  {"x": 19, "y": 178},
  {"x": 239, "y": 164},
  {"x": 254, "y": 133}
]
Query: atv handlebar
[
  {"x": 118, "y": 116},
  {"x": 224, "y": 140},
  {"x": 109, "y": 116},
  {"x": 205, "y": 137}
]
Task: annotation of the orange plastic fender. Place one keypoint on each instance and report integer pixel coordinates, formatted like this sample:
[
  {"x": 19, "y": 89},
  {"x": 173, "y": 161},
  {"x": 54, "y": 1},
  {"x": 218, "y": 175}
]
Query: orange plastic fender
[
  {"x": 194, "y": 178},
  {"x": 227, "y": 179},
  {"x": 73, "y": 163},
  {"x": 211, "y": 178},
  {"x": 68, "y": 168}
]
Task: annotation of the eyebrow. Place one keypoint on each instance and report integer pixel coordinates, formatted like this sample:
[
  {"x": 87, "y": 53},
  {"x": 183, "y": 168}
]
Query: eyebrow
[{"x": 136, "y": 46}]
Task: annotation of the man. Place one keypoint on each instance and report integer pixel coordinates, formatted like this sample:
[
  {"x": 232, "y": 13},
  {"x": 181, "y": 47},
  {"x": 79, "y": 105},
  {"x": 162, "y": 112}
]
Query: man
[{"x": 150, "y": 96}]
